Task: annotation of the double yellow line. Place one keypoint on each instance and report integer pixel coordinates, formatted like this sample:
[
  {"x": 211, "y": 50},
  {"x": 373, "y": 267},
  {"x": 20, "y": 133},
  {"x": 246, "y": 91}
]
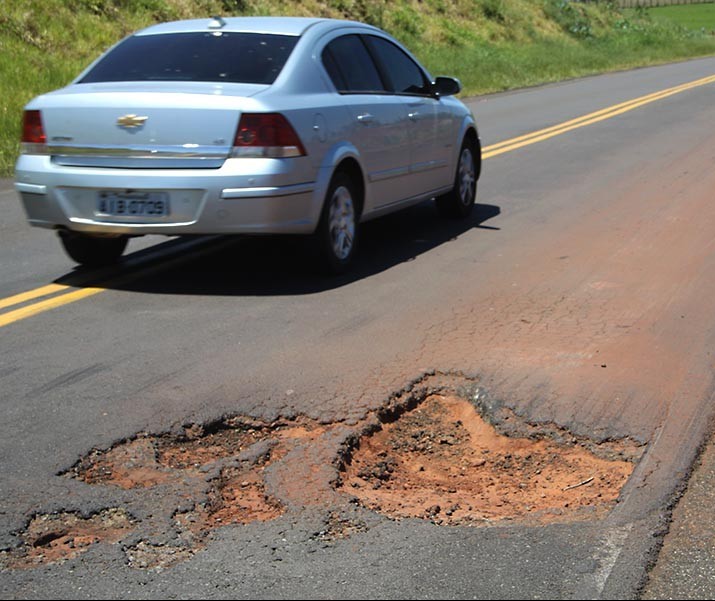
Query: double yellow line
[
  {"x": 590, "y": 119},
  {"x": 55, "y": 300},
  {"x": 56, "y": 295}
]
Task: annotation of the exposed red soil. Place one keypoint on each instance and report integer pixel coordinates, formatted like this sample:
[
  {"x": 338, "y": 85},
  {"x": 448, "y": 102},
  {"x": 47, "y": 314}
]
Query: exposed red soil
[
  {"x": 238, "y": 498},
  {"x": 200, "y": 448},
  {"x": 130, "y": 465},
  {"x": 148, "y": 461},
  {"x": 236, "y": 495},
  {"x": 443, "y": 462}
]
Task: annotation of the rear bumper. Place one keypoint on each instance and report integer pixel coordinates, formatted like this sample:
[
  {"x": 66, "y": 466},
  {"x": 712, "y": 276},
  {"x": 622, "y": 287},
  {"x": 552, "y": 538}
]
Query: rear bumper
[{"x": 249, "y": 196}]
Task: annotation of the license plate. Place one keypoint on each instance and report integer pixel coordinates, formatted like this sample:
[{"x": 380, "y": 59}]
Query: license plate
[{"x": 133, "y": 204}]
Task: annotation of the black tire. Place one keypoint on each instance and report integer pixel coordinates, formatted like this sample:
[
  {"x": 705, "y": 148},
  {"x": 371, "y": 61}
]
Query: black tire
[
  {"x": 337, "y": 234},
  {"x": 93, "y": 251},
  {"x": 459, "y": 201}
]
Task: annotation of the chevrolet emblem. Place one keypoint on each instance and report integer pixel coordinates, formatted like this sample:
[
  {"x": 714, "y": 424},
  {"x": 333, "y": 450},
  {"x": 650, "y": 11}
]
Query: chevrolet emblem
[{"x": 131, "y": 120}]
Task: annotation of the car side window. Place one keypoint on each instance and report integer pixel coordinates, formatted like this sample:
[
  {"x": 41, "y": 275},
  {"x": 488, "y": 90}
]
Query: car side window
[
  {"x": 404, "y": 75},
  {"x": 351, "y": 67}
]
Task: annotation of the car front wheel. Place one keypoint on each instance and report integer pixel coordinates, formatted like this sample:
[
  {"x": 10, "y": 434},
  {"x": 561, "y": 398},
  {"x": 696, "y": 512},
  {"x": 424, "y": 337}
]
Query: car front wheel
[{"x": 93, "y": 251}]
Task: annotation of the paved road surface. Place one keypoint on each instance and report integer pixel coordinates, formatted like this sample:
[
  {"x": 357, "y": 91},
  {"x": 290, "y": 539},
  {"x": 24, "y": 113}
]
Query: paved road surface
[{"x": 579, "y": 296}]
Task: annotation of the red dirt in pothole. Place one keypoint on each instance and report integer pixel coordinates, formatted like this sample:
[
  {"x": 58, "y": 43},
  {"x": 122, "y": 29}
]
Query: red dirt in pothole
[
  {"x": 235, "y": 452},
  {"x": 202, "y": 448},
  {"x": 443, "y": 462},
  {"x": 242, "y": 499},
  {"x": 130, "y": 465},
  {"x": 237, "y": 495},
  {"x": 56, "y": 537},
  {"x": 238, "y": 498},
  {"x": 151, "y": 460}
]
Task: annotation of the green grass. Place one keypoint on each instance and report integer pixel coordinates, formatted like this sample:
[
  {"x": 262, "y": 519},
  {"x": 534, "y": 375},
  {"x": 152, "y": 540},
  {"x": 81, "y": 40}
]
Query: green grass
[
  {"x": 510, "y": 65},
  {"x": 491, "y": 45},
  {"x": 695, "y": 17}
]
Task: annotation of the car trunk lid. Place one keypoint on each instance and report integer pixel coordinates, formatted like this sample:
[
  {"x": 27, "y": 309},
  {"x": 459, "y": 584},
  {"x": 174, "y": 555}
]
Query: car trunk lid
[{"x": 144, "y": 125}]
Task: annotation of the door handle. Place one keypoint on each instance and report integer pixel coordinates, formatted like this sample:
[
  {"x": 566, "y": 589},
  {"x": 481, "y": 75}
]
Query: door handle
[
  {"x": 365, "y": 118},
  {"x": 413, "y": 115}
]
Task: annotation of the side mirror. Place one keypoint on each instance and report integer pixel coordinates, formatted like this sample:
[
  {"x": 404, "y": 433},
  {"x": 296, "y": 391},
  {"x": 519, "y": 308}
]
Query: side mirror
[{"x": 446, "y": 86}]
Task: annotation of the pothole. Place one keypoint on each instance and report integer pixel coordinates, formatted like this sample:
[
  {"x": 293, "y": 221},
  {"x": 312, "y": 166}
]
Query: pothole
[
  {"x": 441, "y": 461},
  {"x": 54, "y": 537},
  {"x": 213, "y": 473},
  {"x": 231, "y": 455},
  {"x": 433, "y": 458},
  {"x": 148, "y": 461}
]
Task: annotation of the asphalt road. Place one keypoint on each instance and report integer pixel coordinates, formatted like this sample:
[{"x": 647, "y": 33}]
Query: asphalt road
[{"x": 579, "y": 296}]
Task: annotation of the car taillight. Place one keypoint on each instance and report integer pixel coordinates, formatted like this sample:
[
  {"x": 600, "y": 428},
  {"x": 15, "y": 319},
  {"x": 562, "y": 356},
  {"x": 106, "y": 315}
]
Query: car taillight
[
  {"x": 32, "y": 130},
  {"x": 266, "y": 135},
  {"x": 33, "y": 139}
]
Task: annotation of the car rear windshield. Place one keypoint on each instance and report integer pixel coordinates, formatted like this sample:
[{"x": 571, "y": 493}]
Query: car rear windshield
[{"x": 200, "y": 56}]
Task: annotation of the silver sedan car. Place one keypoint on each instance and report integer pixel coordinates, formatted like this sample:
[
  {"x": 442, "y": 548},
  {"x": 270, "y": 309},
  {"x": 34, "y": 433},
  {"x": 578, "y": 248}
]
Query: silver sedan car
[{"x": 260, "y": 125}]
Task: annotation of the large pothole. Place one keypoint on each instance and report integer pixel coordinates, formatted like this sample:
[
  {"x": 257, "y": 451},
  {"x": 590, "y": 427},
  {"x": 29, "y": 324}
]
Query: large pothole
[
  {"x": 441, "y": 461},
  {"x": 432, "y": 457}
]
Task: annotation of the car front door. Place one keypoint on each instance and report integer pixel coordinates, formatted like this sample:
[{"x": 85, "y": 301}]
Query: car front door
[{"x": 430, "y": 127}]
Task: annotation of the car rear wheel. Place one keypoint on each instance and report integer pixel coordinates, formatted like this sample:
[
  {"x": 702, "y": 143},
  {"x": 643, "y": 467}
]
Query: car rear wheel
[
  {"x": 93, "y": 251},
  {"x": 459, "y": 201},
  {"x": 337, "y": 232}
]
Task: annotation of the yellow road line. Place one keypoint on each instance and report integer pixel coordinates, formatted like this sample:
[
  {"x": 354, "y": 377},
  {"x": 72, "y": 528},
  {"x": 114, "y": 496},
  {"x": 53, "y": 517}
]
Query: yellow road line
[
  {"x": 589, "y": 119},
  {"x": 487, "y": 152},
  {"x": 654, "y": 95},
  {"x": 46, "y": 305},
  {"x": 23, "y": 297}
]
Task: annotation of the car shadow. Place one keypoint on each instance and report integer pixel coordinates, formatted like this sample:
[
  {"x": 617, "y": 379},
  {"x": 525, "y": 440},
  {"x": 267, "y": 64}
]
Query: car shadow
[{"x": 279, "y": 265}]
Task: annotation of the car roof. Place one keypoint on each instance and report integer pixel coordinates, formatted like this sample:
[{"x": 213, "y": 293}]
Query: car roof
[{"x": 294, "y": 26}]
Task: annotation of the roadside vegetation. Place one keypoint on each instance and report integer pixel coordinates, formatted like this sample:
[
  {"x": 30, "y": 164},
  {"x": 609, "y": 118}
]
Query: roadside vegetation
[{"x": 491, "y": 45}]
